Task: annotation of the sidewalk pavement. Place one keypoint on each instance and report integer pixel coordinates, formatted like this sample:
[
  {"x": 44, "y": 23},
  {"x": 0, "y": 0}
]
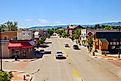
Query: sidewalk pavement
[
  {"x": 19, "y": 60},
  {"x": 108, "y": 57},
  {"x": 21, "y": 76}
]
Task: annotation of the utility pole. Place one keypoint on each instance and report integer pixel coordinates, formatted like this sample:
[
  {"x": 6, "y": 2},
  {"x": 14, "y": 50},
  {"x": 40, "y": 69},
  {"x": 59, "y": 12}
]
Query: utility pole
[{"x": 0, "y": 52}]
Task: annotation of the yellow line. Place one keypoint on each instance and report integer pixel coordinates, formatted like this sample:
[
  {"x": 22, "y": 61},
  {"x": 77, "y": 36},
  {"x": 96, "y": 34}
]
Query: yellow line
[
  {"x": 64, "y": 52},
  {"x": 75, "y": 73}
]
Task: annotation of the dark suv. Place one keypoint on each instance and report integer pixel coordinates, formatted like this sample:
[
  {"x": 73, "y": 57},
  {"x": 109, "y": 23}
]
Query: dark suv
[{"x": 75, "y": 47}]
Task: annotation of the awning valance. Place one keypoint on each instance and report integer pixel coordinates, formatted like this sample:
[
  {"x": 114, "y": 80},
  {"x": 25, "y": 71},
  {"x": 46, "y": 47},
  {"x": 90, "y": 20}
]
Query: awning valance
[{"x": 19, "y": 45}]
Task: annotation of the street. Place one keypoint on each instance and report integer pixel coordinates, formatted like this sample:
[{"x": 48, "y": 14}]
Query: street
[{"x": 78, "y": 65}]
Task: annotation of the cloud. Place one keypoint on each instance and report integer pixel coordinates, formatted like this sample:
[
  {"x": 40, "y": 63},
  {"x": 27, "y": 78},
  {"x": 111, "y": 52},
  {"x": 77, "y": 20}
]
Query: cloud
[
  {"x": 28, "y": 20},
  {"x": 43, "y": 21}
]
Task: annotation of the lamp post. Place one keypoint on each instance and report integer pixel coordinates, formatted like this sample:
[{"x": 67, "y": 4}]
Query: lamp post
[{"x": 0, "y": 52}]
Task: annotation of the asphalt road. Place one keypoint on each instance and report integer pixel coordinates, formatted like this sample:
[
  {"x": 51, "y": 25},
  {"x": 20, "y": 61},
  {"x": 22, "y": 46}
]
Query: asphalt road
[{"x": 78, "y": 66}]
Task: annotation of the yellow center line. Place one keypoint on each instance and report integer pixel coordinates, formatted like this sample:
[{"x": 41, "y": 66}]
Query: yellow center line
[
  {"x": 63, "y": 50},
  {"x": 75, "y": 74}
]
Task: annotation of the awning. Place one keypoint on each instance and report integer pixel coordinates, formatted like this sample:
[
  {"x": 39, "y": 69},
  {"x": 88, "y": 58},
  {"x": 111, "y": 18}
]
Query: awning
[
  {"x": 12, "y": 45},
  {"x": 20, "y": 45}
]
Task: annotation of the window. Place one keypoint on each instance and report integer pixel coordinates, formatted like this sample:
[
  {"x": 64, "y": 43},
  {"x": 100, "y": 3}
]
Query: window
[
  {"x": 114, "y": 43},
  {"x": 111, "y": 43},
  {"x": 117, "y": 43},
  {"x": 113, "y": 47},
  {"x": 5, "y": 38}
]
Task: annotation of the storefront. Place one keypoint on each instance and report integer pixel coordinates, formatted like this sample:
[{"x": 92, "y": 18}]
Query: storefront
[{"x": 23, "y": 49}]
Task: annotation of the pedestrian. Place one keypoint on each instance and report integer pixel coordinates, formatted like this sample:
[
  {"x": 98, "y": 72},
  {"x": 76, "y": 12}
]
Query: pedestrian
[
  {"x": 16, "y": 57},
  {"x": 93, "y": 53}
]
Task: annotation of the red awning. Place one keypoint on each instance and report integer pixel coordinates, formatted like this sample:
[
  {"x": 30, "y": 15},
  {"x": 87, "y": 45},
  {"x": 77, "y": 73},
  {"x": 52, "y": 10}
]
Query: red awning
[
  {"x": 19, "y": 45},
  {"x": 14, "y": 45}
]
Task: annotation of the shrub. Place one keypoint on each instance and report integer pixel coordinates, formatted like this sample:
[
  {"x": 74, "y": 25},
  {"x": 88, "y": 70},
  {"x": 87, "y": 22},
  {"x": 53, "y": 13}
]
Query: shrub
[{"x": 5, "y": 76}]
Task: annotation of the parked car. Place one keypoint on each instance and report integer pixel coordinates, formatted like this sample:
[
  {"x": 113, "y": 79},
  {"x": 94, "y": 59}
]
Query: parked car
[
  {"x": 59, "y": 55},
  {"x": 42, "y": 51},
  {"x": 66, "y": 45},
  {"x": 75, "y": 47}
]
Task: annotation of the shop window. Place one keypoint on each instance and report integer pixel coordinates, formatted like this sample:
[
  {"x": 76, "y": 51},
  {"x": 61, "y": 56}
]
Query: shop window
[
  {"x": 111, "y": 43},
  {"x": 113, "y": 47},
  {"x": 117, "y": 43},
  {"x": 114, "y": 43}
]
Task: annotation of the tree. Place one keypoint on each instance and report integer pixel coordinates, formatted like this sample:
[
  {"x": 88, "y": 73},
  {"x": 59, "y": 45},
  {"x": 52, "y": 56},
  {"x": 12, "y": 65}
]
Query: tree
[
  {"x": 90, "y": 43},
  {"x": 97, "y": 26},
  {"x": 50, "y": 32},
  {"x": 64, "y": 34},
  {"x": 5, "y": 76},
  {"x": 77, "y": 34},
  {"x": 61, "y": 32},
  {"x": 2, "y": 28},
  {"x": 41, "y": 41},
  {"x": 108, "y": 27},
  {"x": 9, "y": 26}
]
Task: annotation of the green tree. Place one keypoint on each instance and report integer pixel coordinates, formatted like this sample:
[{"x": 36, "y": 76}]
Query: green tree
[
  {"x": 64, "y": 34},
  {"x": 77, "y": 34},
  {"x": 90, "y": 43},
  {"x": 50, "y": 32},
  {"x": 61, "y": 32},
  {"x": 5, "y": 76},
  {"x": 2, "y": 28},
  {"x": 9, "y": 26},
  {"x": 108, "y": 27},
  {"x": 97, "y": 26},
  {"x": 41, "y": 41}
]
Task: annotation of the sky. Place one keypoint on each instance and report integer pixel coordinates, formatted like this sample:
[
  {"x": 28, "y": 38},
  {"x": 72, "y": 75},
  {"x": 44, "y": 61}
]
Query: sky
[{"x": 58, "y": 12}]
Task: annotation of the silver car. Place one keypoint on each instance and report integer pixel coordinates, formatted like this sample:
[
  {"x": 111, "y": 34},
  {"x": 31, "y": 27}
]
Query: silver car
[{"x": 59, "y": 55}]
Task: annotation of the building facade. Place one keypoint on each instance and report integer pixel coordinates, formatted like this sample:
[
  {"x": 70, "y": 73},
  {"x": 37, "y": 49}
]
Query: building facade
[
  {"x": 24, "y": 35},
  {"x": 109, "y": 42},
  {"x": 8, "y": 35},
  {"x": 21, "y": 48}
]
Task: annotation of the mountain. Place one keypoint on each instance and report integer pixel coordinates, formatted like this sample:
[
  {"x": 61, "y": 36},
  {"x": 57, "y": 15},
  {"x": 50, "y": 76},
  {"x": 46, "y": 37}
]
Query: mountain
[
  {"x": 112, "y": 24},
  {"x": 64, "y": 26},
  {"x": 47, "y": 27}
]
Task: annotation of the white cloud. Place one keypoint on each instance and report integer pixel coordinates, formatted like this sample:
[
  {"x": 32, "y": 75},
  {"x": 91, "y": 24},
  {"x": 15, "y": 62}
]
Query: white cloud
[
  {"x": 43, "y": 21},
  {"x": 28, "y": 20}
]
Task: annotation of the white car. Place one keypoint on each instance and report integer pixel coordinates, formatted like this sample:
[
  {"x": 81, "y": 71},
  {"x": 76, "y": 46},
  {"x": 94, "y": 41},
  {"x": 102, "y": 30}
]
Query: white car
[{"x": 59, "y": 55}]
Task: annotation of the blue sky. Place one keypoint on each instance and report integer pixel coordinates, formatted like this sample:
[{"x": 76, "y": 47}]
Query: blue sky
[{"x": 54, "y": 12}]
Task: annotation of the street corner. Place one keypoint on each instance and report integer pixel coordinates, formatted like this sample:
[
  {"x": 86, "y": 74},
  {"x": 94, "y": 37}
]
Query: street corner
[{"x": 21, "y": 76}]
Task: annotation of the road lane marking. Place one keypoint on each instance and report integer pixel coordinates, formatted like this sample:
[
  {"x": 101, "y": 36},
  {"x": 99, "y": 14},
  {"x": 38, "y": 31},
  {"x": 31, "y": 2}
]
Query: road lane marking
[
  {"x": 76, "y": 75},
  {"x": 64, "y": 52}
]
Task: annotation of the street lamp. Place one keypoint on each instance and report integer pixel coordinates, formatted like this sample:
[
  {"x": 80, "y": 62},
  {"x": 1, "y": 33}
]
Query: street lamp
[{"x": 0, "y": 52}]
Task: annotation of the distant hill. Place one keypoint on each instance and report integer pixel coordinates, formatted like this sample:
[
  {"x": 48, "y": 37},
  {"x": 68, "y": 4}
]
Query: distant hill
[
  {"x": 47, "y": 27},
  {"x": 64, "y": 26},
  {"x": 112, "y": 23}
]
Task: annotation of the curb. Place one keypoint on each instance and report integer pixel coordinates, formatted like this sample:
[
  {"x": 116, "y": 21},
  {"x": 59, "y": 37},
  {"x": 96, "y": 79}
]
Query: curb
[
  {"x": 19, "y": 60},
  {"x": 106, "y": 58}
]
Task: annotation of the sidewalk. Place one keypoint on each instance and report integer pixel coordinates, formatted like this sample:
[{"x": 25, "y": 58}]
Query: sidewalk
[
  {"x": 107, "y": 57},
  {"x": 19, "y": 60},
  {"x": 21, "y": 76}
]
